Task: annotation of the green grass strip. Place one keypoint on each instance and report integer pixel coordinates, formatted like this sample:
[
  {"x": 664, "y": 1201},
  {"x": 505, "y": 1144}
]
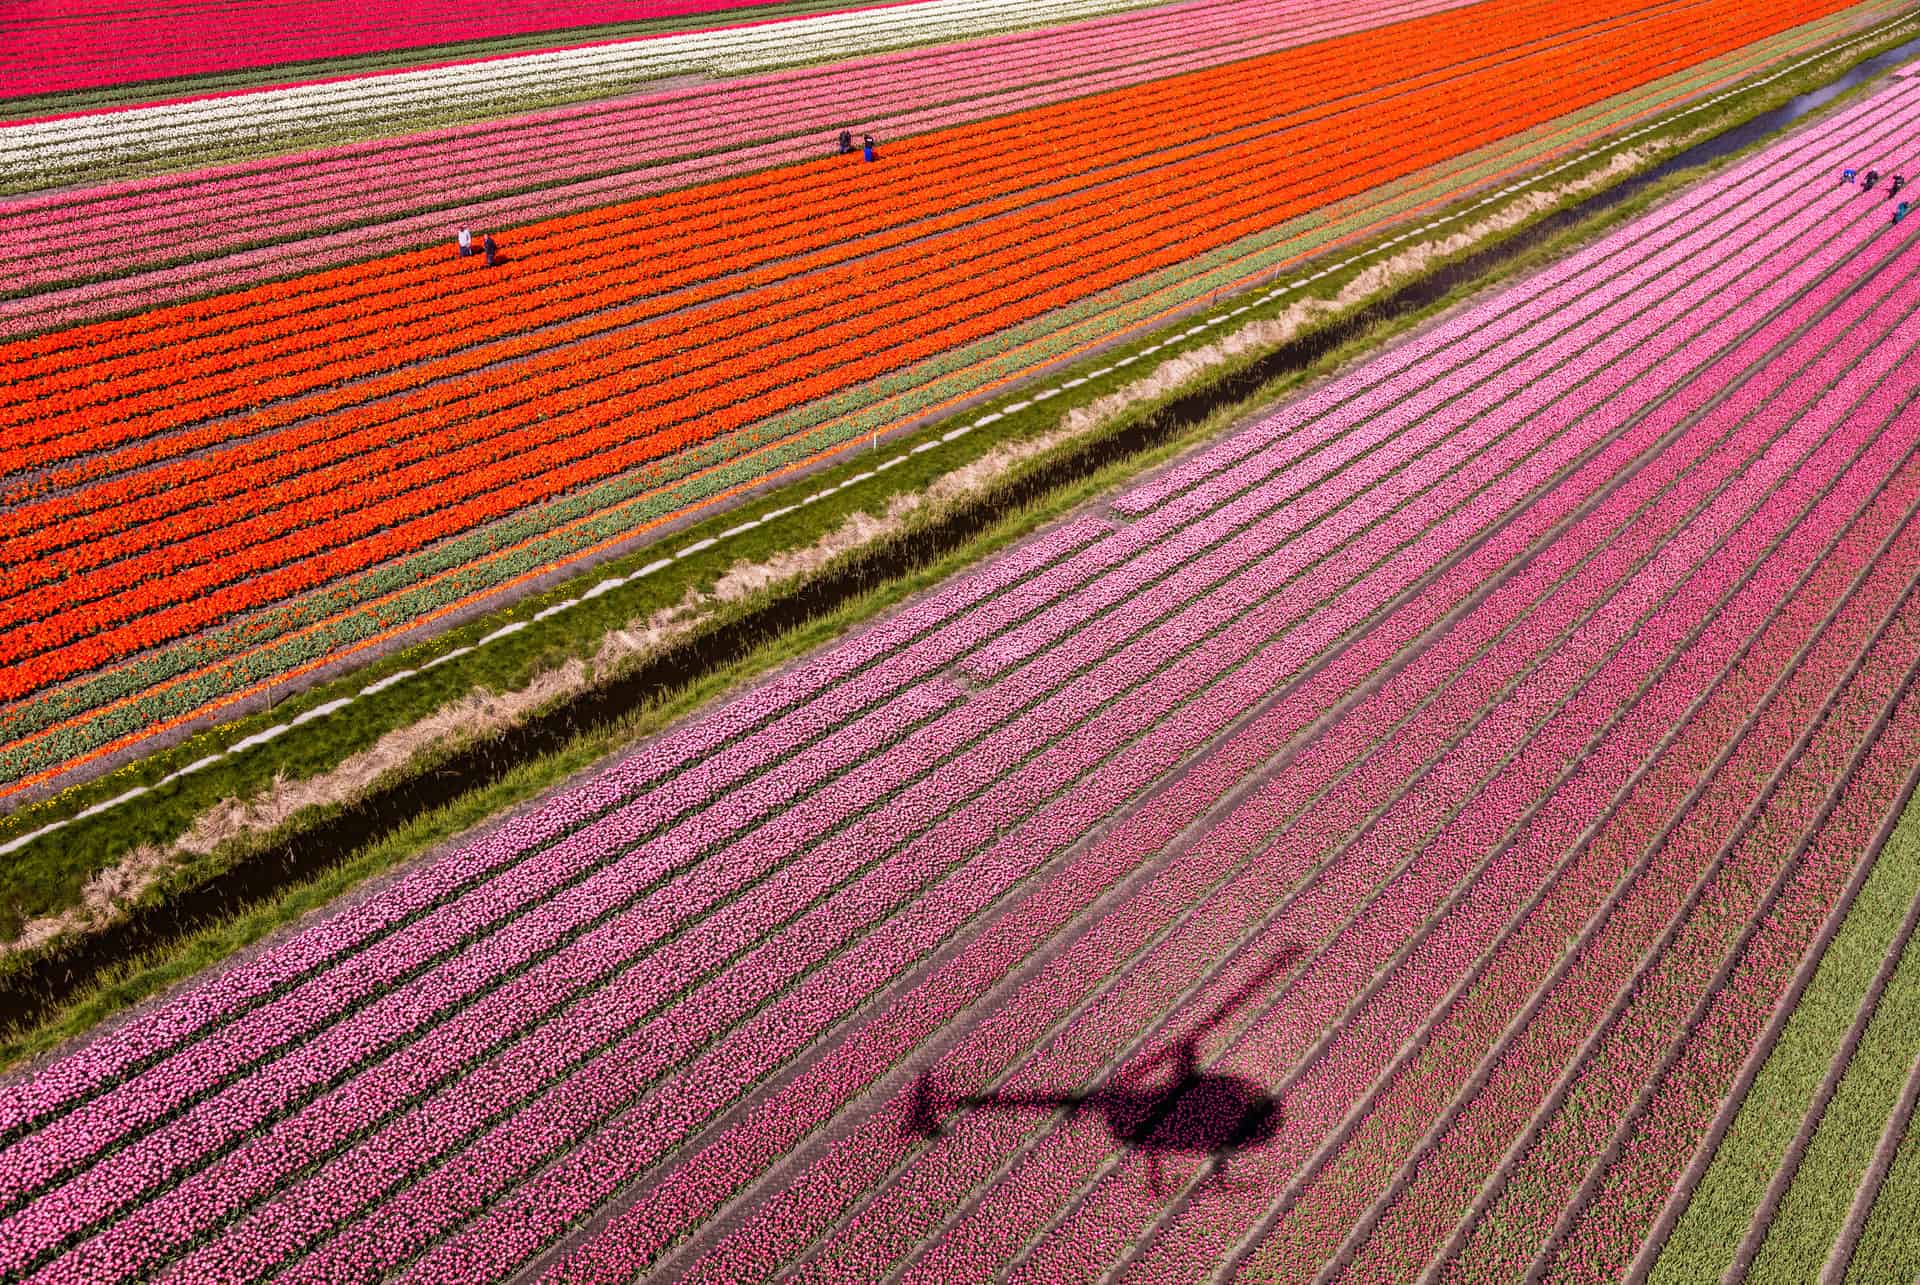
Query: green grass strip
[
  {"x": 1708, "y": 1235},
  {"x": 1889, "y": 1248},
  {"x": 1815, "y": 1207}
]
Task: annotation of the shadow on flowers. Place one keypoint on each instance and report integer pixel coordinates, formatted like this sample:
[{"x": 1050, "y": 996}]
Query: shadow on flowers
[{"x": 1166, "y": 1102}]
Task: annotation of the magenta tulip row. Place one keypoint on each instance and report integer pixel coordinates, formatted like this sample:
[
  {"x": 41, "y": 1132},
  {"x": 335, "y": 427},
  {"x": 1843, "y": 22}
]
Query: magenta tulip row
[
  {"x": 63, "y": 49},
  {"x": 498, "y": 1044},
  {"x": 1735, "y": 890},
  {"x": 1409, "y": 1104},
  {"x": 1471, "y": 1141},
  {"x": 1320, "y": 1094},
  {"x": 1050, "y": 1166}
]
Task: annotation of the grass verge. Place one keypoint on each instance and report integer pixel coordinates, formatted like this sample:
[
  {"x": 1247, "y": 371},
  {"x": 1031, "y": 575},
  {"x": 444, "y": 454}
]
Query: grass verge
[{"x": 1708, "y": 1236}]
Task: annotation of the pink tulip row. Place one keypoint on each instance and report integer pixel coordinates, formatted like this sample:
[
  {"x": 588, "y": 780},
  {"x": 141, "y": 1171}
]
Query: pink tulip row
[
  {"x": 653, "y": 1212},
  {"x": 1080, "y": 1237},
  {"x": 1254, "y": 594},
  {"x": 1405, "y": 1107},
  {"x": 63, "y": 50},
  {"x": 1611, "y": 1228},
  {"x": 1425, "y": 1203},
  {"x": 231, "y": 207},
  {"x": 1734, "y": 888},
  {"x": 571, "y": 925}
]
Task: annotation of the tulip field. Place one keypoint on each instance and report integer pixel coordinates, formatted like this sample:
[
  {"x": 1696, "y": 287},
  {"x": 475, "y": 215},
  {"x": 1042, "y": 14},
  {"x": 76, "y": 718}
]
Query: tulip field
[
  {"x": 53, "y": 47},
  {"x": 360, "y": 433},
  {"x": 1449, "y": 828}
]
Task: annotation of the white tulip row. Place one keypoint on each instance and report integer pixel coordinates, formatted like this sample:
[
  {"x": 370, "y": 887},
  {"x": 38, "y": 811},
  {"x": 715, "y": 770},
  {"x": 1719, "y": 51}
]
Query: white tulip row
[{"x": 251, "y": 122}]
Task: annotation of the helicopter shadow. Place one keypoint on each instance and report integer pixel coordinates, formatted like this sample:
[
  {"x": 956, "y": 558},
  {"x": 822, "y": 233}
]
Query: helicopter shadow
[{"x": 1189, "y": 1111}]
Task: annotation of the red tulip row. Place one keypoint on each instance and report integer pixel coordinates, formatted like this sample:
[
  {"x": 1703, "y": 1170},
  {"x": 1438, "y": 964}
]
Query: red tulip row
[
  {"x": 122, "y": 608},
  {"x": 729, "y": 225}
]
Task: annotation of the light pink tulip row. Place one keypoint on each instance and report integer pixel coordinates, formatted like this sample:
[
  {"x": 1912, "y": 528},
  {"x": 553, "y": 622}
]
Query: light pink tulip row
[
  {"x": 228, "y": 207},
  {"x": 706, "y": 753},
  {"x": 62, "y": 50},
  {"x": 1173, "y": 595},
  {"x": 653, "y": 1213}
]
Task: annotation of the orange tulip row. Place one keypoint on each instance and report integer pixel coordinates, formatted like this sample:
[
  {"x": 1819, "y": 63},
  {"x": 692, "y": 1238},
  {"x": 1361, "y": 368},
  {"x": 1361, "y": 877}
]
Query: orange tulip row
[{"x": 740, "y": 363}]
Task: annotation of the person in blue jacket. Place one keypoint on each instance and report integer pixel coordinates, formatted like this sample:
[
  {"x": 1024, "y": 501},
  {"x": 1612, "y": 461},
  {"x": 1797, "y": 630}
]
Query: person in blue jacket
[
  {"x": 1899, "y": 211},
  {"x": 866, "y": 147},
  {"x": 1846, "y": 176}
]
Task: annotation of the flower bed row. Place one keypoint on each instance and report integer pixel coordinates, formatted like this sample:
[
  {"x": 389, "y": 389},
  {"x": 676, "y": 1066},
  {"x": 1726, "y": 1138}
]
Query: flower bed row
[{"x": 63, "y": 149}]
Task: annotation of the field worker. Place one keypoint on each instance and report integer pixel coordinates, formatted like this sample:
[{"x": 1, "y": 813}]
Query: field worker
[
  {"x": 1846, "y": 175},
  {"x": 466, "y": 243},
  {"x": 1899, "y": 211},
  {"x": 1896, "y": 185},
  {"x": 866, "y": 146},
  {"x": 1873, "y": 176},
  {"x": 846, "y": 142},
  {"x": 491, "y": 249}
]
